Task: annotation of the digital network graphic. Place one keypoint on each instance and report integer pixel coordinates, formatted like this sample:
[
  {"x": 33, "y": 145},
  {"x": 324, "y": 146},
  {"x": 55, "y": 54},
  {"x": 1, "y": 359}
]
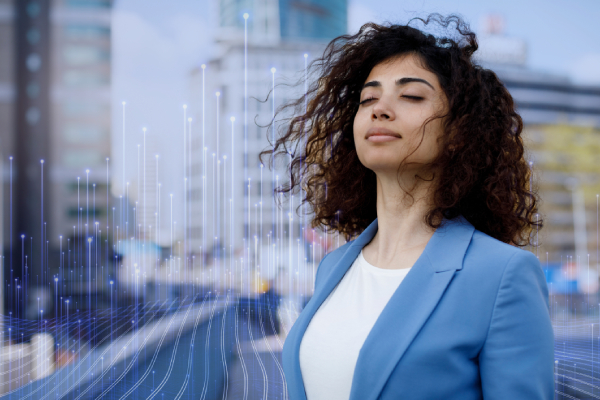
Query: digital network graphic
[{"x": 125, "y": 317}]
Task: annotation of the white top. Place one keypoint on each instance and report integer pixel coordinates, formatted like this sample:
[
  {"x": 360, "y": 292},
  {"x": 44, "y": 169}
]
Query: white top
[{"x": 337, "y": 331}]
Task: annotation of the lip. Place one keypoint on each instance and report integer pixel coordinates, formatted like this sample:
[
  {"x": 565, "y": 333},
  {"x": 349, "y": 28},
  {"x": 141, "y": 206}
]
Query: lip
[{"x": 381, "y": 134}]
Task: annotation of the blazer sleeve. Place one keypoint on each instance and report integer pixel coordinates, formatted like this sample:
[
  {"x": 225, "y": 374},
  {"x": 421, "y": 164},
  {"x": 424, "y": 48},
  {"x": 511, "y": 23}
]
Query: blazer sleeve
[{"x": 517, "y": 359}]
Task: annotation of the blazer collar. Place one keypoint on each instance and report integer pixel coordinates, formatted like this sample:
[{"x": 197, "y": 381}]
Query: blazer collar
[{"x": 403, "y": 316}]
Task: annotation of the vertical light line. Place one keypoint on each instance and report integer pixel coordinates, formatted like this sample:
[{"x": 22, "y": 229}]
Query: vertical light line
[
  {"x": 144, "y": 207},
  {"x": 273, "y": 202},
  {"x": 157, "y": 220},
  {"x": 203, "y": 154},
  {"x": 107, "y": 202},
  {"x": 303, "y": 218},
  {"x": 261, "y": 214},
  {"x": 247, "y": 211},
  {"x": 216, "y": 204},
  {"x": 232, "y": 201},
  {"x": 184, "y": 185},
  {"x": 190, "y": 175},
  {"x": 171, "y": 224},
  {"x": 11, "y": 213},
  {"x": 42, "y": 219},
  {"x": 137, "y": 200},
  {"x": 123, "y": 146}
]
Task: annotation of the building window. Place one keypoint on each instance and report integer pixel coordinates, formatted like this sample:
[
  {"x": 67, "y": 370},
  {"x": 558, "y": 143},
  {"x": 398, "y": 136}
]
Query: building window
[
  {"x": 33, "y": 9},
  {"x": 73, "y": 187},
  {"x": 83, "y": 159},
  {"x": 85, "y": 78},
  {"x": 33, "y": 115},
  {"x": 33, "y": 36},
  {"x": 85, "y": 55},
  {"x": 73, "y": 212},
  {"x": 33, "y": 62},
  {"x": 79, "y": 32},
  {"x": 83, "y": 109},
  {"x": 84, "y": 134},
  {"x": 88, "y": 3},
  {"x": 33, "y": 90}
]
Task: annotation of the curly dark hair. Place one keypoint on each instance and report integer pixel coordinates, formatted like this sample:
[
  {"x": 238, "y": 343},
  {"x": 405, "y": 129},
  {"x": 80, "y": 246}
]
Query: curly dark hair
[{"x": 483, "y": 173}]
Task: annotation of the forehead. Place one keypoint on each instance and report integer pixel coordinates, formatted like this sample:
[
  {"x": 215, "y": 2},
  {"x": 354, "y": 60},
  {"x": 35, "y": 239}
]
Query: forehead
[{"x": 399, "y": 67}]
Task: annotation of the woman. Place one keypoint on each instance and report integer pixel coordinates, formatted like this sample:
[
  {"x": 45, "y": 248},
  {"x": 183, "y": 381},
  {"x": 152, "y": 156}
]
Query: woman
[{"x": 415, "y": 152}]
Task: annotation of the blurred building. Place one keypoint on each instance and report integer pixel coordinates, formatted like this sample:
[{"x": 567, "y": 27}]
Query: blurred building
[
  {"x": 562, "y": 139},
  {"x": 80, "y": 112},
  {"x": 287, "y": 20},
  {"x": 54, "y": 106},
  {"x": 229, "y": 195}
]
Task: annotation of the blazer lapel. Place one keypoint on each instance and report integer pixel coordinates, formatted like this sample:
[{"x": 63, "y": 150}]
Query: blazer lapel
[
  {"x": 409, "y": 307},
  {"x": 295, "y": 382},
  {"x": 401, "y": 319}
]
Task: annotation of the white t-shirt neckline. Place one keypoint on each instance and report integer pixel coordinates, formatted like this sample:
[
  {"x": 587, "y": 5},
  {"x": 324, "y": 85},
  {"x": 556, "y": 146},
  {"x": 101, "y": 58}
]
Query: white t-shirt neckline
[
  {"x": 380, "y": 271},
  {"x": 332, "y": 341}
]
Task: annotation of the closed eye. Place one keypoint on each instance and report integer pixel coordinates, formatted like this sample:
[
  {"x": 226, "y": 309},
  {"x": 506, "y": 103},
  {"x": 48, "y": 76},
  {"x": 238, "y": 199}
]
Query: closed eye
[{"x": 415, "y": 98}]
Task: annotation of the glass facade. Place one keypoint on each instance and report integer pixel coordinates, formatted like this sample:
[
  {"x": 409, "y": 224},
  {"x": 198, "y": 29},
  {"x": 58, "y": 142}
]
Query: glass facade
[
  {"x": 298, "y": 19},
  {"x": 312, "y": 19}
]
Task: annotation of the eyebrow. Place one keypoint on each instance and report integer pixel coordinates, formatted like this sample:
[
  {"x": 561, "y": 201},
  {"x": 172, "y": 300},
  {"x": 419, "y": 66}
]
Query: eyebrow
[{"x": 399, "y": 82}]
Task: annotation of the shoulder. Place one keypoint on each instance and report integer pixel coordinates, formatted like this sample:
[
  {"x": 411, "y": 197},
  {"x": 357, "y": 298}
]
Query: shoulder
[
  {"x": 489, "y": 257},
  {"x": 335, "y": 255}
]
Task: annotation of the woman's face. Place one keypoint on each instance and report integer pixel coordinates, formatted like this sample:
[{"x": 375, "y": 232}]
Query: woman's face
[{"x": 397, "y": 98}]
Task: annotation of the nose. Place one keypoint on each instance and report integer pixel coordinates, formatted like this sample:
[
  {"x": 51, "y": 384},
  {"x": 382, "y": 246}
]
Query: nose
[{"x": 382, "y": 110}]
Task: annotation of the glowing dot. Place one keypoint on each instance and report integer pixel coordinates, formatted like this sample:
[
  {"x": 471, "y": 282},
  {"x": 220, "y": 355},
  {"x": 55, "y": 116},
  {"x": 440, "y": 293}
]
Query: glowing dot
[
  {"x": 144, "y": 129},
  {"x": 55, "y": 279},
  {"x": 246, "y": 15},
  {"x": 273, "y": 70},
  {"x": 185, "y": 106},
  {"x": 203, "y": 66},
  {"x": 232, "y": 119},
  {"x": 87, "y": 171},
  {"x": 42, "y": 161},
  {"x": 189, "y": 120},
  {"x": 218, "y": 94},
  {"x": 123, "y": 103},
  {"x": 305, "y": 55}
]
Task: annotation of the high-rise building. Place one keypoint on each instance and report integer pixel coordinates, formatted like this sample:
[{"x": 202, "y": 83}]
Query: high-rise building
[
  {"x": 282, "y": 37},
  {"x": 287, "y": 20},
  {"x": 80, "y": 112},
  {"x": 54, "y": 106}
]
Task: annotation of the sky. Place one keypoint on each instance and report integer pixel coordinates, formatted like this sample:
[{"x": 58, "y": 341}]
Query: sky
[{"x": 157, "y": 42}]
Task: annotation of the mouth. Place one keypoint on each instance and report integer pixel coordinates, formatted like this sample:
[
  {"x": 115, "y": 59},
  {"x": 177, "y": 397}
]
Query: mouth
[
  {"x": 381, "y": 135},
  {"x": 382, "y": 138}
]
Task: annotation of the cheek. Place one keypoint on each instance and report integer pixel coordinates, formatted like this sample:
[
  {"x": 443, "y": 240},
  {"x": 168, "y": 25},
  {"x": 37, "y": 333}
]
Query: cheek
[{"x": 357, "y": 127}]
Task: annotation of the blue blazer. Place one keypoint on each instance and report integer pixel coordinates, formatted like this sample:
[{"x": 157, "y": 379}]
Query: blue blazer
[{"x": 469, "y": 321}]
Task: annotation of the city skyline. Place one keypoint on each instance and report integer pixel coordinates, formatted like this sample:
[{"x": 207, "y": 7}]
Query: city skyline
[{"x": 156, "y": 46}]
